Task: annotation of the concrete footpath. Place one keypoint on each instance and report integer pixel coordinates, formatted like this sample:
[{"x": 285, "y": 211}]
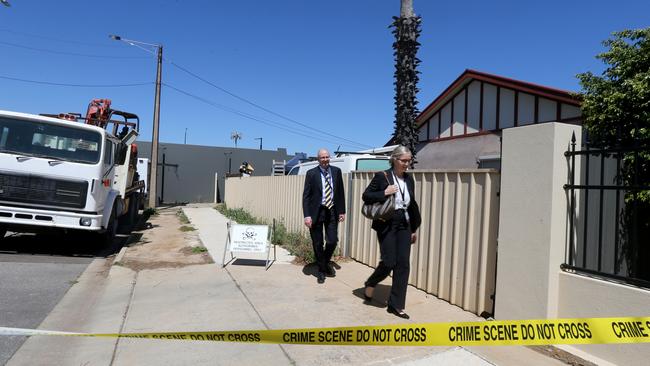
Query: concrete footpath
[{"x": 206, "y": 297}]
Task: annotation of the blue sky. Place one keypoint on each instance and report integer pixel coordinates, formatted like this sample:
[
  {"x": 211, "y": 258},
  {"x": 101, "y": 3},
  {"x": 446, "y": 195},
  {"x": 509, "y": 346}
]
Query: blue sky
[{"x": 327, "y": 65}]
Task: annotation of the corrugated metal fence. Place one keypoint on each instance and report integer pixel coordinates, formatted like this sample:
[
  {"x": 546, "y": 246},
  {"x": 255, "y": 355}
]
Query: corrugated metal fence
[
  {"x": 269, "y": 198},
  {"x": 455, "y": 255}
]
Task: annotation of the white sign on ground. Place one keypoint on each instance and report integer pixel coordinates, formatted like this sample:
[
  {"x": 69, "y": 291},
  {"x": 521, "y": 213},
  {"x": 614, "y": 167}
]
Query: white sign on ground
[{"x": 248, "y": 239}]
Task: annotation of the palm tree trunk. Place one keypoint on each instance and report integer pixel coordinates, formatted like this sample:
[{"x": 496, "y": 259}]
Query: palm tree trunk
[
  {"x": 406, "y": 9},
  {"x": 406, "y": 29}
]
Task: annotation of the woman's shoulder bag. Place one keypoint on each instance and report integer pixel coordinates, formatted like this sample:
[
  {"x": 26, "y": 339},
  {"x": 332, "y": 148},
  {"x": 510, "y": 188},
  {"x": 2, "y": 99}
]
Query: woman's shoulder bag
[{"x": 380, "y": 210}]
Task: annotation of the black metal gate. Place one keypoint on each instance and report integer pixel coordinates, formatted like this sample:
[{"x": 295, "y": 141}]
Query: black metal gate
[{"x": 609, "y": 213}]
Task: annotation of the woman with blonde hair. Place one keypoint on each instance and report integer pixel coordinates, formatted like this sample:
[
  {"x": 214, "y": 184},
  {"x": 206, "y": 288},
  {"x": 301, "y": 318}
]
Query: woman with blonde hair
[{"x": 397, "y": 233}]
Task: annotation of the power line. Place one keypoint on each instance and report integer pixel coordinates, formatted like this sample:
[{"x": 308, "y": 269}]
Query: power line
[
  {"x": 252, "y": 117},
  {"x": 349, "y": 142},
  {"x": 69, "y": 53},
  {"x": 249, "y": 116},
  {"x": 260, "y": 107},
  {"x": 75, "y": 85},
  {"x": 58, "y": 39}
]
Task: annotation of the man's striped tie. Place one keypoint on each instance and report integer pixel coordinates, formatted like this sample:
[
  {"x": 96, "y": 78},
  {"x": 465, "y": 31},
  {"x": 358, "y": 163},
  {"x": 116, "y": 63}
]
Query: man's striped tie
[{"x": 328, "y": 191}]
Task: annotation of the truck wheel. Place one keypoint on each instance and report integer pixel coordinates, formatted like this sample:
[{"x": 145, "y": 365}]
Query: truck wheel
[
  {"x": 128, "y": 220},
  {"x": 108, "y": 236},
  {"x": 3, "y": 231},
  {"x": 134, "y": 206}
]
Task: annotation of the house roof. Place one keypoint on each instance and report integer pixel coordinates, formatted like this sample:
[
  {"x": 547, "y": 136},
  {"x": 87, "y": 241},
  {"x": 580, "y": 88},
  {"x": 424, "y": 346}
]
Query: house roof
[{"x": 470, "y": 75}]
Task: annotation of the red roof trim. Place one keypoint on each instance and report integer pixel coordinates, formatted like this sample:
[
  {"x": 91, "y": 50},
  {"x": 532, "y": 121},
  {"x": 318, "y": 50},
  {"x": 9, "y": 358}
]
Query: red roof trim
[{"x": 468, "y": 75}]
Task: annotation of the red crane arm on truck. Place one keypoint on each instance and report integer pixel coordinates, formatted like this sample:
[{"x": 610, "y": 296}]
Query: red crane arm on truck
[{"x": 99, "y": 112}]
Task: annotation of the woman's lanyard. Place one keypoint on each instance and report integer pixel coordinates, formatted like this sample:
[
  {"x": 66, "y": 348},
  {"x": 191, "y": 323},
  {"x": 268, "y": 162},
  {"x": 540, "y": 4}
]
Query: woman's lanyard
[{"x": 401, "y": 191}]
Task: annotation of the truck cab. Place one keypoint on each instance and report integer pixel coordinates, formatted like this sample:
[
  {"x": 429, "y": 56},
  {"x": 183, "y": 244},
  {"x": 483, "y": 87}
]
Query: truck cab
[{"x": 62, "y": 174}]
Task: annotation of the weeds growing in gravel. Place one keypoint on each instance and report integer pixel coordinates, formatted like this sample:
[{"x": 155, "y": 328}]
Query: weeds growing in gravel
[
  {"x": 199, "y": 249},
  {"x": 181, "y": 216}
]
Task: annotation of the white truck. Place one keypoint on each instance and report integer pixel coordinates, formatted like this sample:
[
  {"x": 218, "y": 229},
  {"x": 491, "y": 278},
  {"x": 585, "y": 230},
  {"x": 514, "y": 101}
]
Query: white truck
[{"x": 69, "y": 173}]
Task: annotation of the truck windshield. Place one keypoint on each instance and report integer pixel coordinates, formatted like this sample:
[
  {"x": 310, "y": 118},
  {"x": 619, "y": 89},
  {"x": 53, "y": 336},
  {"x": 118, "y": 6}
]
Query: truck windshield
[{"x": 50, "y": 141}]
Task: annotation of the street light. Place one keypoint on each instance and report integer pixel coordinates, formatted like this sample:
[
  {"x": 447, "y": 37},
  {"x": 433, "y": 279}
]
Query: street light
[
  {"x": 259, "y": 138},
  {"x": 156, "y": 112}
]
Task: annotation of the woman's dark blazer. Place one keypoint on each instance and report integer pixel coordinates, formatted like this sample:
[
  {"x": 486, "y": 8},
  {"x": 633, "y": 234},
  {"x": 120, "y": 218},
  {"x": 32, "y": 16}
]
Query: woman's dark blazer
[{"x": 375, "y": 193}]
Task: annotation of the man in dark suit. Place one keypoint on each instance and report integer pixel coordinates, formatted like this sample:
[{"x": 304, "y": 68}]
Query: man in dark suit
[{"x": 323, "y": 205}]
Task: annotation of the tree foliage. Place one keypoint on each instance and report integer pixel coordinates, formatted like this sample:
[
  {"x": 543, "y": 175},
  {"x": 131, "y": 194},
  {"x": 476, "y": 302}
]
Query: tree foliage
[{"x": 616, "y": 105}]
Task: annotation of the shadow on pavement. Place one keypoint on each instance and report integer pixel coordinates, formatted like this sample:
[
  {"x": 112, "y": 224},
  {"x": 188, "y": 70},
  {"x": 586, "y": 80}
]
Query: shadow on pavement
[
  {"x": 311, "y": 269},
  {"x": 379, "y": 297},
  {"x": 249, "y": 262},
  {"x": 59, "y": 244},
  {"x": 70, "y": 243}
]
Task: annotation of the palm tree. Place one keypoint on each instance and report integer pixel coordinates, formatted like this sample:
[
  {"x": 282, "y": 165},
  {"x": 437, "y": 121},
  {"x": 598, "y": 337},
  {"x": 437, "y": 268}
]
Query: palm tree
[
  {"x": 406, "y": 29},
  {"x": 235, "y": 136}
]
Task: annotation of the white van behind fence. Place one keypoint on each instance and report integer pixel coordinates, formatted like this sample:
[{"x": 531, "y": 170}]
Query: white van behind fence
[{"x": 347, "y": 163}]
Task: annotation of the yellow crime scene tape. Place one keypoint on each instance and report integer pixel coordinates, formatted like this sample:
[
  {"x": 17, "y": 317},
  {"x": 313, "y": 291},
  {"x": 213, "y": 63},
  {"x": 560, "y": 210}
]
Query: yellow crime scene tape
[{"x": 479, "y": 333}]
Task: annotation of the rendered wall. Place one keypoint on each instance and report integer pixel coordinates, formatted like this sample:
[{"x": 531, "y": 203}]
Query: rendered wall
[
  {"x": 532, "y": 243},
  {"x": 581, "y": 296},
  {"x": 532, "y": 219}
]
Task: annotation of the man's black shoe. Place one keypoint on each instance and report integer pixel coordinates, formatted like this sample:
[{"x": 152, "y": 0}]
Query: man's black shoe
[
  {"x": 330, "y": 271},
  {"x": 320, "y": 277}
]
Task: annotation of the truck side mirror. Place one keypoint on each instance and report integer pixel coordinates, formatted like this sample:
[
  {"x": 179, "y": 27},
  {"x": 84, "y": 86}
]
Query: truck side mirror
[{"x": 120, "y": 153}]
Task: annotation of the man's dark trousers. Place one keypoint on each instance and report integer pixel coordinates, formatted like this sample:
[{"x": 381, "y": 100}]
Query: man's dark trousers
[{"x": 328, "y": 220}]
